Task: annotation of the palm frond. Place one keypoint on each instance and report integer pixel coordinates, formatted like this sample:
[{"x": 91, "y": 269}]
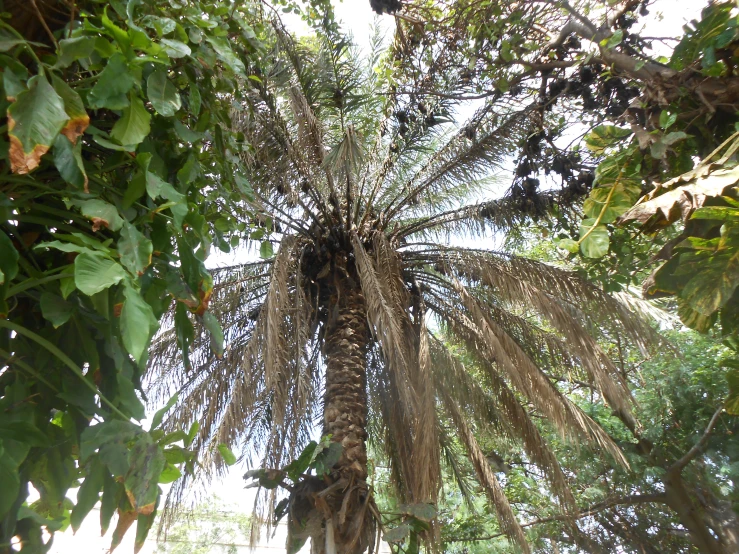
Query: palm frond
[
  {"x": 494, "y": 491},
  {"x": 510, "y": 417},
  {"x": 484, "y": 337},
  {"x": 464, "y": 158}
]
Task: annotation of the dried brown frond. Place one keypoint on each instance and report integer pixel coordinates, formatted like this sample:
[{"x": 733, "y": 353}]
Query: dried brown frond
[
  {"x": 561, "y": 298},
  {"x": 511, "y": 417},
  {"x": 426, "y": 443},
  {"x": 496, "y": 496},
  {"x": 382, "y": 311},
  {"x": 486, "y": 338}
]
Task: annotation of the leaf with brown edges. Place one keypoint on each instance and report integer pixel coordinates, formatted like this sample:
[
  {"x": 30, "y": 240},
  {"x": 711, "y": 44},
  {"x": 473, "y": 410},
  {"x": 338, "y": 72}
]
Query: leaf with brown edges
[{"x": 34, "y": 121}]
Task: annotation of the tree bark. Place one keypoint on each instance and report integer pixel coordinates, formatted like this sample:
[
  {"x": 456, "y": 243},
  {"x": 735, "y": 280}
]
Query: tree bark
[
  {"x": 337, "y": 512},
  {"x": 345, "y": 399},
  {"x": 689, "y": 514}
]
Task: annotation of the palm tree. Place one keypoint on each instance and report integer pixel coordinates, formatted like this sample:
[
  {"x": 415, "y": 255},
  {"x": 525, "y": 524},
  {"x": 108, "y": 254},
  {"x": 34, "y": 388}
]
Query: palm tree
[{"x": 364, "y": 321}]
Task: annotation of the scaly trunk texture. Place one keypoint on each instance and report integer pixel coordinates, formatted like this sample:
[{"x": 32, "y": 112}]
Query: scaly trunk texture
[
  {"x": 345, "y": 400},
  {"x": 337, "y": 512}
]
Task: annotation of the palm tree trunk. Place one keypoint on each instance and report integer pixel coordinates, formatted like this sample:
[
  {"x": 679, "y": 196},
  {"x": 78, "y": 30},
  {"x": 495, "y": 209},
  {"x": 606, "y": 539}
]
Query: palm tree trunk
[
  {"x": 345, "y": 400},
  {"x": 345, "y": 505}
]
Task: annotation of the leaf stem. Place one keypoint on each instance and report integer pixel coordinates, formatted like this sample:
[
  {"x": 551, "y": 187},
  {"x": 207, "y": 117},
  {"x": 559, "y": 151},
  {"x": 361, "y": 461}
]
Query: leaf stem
[
  {"x": 63, "y": 358},
  {"x": 10, "y": 359},
  {"x": 603, "y": 209}
]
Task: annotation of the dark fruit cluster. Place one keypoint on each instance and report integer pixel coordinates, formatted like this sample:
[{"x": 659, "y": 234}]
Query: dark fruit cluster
[
  {"x": 385, "y": 6},
  {"x": 577, "y": 180},
  {"x": 408, "y": 116},
  {"x": 526, "y": 197},
  {"x": 609, "y": 95}
]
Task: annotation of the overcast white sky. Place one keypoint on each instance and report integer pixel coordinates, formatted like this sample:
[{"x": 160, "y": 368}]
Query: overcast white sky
[{"x": 665, "y": 20}]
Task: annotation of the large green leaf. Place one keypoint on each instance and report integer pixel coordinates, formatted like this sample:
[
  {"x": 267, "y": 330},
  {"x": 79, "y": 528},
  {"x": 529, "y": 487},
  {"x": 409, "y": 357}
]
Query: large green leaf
[
  {"x": 8, "y": 259},
  {"x": 175, "y": 48},
  {"x": 134, "y": 124},
  {"x": 55, "y": 309},
  {"x": 398, "y": 533},
  {"x": 24, "y": 432},
  {"x": 266, "y": 251},
  {"x": 594, "y": 241},
  {"x": 68, "y": 161},
  {"x": 89, "y": 492},
  {"x": 73, "y": 49},
  {"x": 160, "y": 413},
  {"x": 195, "y": 100},
  {"x": 226, "y": 54},
  {"x": 162, "y": 93},
  {"x": 102, "y": 214},
  {"x": 96, "y": 437},
  {"x": 210, "y": 322},
  {"x": 145, "y": 521},
  {"x": 114, "y": 82},
  {"x": 108, "y": 502},
  {"x": 138, "y": 324},
  {"x": 177, "y": 202},
  {"x": 94, "y": 272},
  {"x": 9, "y": 481},
  {"x": 127, "y": 397},
  {"x": 228, "y": 456},
  {"x": 135, "y": 249},
  {"x": 8, "y": 40},
  {"x": 422, "y": 511},
  {"x": 8, "y": 269},
  {"x": 13, "y": 84},
  {"x": 185, "y": 332},
  {"x": 300, "y": 465},
  {"x": 34, "y": 120}
]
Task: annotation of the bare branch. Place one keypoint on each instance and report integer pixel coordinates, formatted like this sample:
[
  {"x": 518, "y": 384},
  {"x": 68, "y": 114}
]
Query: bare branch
[{"x": 697, "y": 447}]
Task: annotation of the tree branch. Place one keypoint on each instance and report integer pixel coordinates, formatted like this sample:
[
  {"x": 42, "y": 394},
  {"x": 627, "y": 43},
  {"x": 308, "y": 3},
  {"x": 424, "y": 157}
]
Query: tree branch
[
  {"x": 630, "y": 500},
  {"x": 678, "y": 466}
]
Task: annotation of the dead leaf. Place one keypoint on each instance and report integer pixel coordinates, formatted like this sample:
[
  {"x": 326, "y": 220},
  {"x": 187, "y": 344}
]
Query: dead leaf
[
  {"x": 666, "y": 204},
  {"x": 125, "y": 520},
  {"x": 98, "y": 223},
  {"x": 75, "y": 128},
  {"x": 20, "y": 162}
]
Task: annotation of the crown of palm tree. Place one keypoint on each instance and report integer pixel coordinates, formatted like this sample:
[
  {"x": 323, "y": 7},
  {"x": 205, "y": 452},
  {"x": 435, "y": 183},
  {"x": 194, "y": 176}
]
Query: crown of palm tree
[{"x": 344, "y": 324}]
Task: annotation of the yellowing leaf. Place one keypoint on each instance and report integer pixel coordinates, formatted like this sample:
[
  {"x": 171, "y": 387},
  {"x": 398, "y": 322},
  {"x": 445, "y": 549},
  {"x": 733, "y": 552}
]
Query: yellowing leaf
[
  {"x": 604, "y": 136},
  {"x": 665, "y": 204},
  {"x": 594, "y": 240},
  {"x": 34, "y": 121},
  {"x": 610, "y": 204},
  {"x": 78, "y": 118}
]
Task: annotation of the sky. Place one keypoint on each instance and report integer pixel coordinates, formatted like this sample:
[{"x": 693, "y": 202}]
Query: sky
[{"x": 665, "y": 20}]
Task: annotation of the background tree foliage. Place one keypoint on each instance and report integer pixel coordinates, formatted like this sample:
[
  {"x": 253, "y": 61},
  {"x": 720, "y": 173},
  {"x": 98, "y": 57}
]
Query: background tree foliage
[{"x": 116, "y": 182}]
